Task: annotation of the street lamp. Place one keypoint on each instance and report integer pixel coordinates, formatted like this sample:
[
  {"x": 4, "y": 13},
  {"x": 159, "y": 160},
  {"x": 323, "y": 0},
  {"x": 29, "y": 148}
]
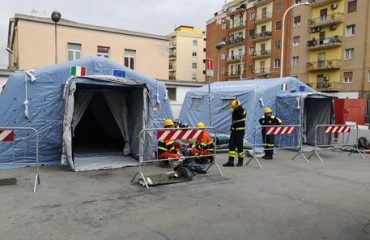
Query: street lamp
[
  {"x": 283, "y": 33},
  {"x": 219, "y": 46},
  {"x": 55, "y": 16}
]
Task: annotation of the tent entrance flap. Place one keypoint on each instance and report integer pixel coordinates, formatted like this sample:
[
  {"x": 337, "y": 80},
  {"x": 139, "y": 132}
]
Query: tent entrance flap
[{"x": 104, "y": 122}]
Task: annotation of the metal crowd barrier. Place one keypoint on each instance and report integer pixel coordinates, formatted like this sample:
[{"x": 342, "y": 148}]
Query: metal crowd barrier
[
  {"x": 21, "y": 146},
  {"x": 335, "y": 136},
  {"x": 183, "y": 136},
  {"x": 285, "y": 137}
]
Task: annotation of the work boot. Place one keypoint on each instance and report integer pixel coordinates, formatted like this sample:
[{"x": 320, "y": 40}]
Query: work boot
[
  {"x": 268, "y": 157},
  {"x": 228, "y": 164},
  {"x": 240, "y": 163}
]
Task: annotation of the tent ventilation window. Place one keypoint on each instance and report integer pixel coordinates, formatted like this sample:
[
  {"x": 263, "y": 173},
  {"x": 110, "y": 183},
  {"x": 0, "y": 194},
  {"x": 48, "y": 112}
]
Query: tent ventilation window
[
  {"x": 195, "y": 103},
  {"x": 226, "y": 102}
]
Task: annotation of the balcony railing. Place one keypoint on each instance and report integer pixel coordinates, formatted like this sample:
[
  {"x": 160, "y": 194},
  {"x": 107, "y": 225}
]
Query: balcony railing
[
  {"x": 324, "y": 65},
  {"x": 171, "y": 68},
  {"x": 236, "y": 26},
  {"x": 258, "y": 3},
  {"x": 326, "y": 20},
  {"x": 263, "y": 18},
  {"x": 335, "y": 41},
  {"x": 172, "y": 55},
  {"x": 235, "y": 58},
  {"x": 237, "y": 40},
  {"x": 327, "y": 85},
  {"x": 261, "y": 54},
  {"x": 317, "y": 3},
  {"x": 237, "y": 10},
  {"x": 262, "y": 35},
  {"x": 261, "y": 70},
  {"x": 172, "y": 45}
]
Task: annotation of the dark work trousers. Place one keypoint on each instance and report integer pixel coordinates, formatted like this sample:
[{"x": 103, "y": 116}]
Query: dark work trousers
[
  {"x": 268, "y": 141},
  {"x": 236, "y": 142}
]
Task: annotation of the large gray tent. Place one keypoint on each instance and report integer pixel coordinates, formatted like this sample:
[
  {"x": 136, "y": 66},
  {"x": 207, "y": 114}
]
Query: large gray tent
[{"x": 88, "y": 122}]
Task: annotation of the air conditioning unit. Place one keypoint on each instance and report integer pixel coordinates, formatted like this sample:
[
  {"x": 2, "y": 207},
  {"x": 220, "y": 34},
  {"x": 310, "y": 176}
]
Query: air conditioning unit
[
  {"x": 333, "y": 6},
  {"x": 333, "y": 27}
]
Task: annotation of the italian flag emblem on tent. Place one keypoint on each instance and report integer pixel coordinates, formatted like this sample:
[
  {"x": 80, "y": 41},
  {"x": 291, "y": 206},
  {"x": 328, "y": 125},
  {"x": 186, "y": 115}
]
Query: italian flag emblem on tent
[
  {"x": 284, "y": 87},
  {"x": 78, "y": 71}
]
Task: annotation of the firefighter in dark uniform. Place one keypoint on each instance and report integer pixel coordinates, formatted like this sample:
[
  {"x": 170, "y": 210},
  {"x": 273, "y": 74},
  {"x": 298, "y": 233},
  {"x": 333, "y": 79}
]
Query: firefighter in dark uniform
[
  {"x": 268, "y": 140},
  {"x": 239, "y": 116}
]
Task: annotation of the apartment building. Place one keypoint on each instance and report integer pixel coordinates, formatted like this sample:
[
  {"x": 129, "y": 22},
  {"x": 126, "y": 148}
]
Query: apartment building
[
  {"x": 186, "y": 54},
  {"x": 333, "y": 43},
  {"x": 31, "y": 40},
  {"x": 250, "y": 31}
]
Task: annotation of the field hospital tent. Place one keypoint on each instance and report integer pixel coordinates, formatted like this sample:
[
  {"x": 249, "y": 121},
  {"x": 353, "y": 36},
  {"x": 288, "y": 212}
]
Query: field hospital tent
[
  {"x": 89, "y": 122},
  {"x": 290, "y": 99}
]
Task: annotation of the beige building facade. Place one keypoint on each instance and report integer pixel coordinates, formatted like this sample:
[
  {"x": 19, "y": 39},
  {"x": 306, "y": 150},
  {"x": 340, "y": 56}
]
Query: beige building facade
[
  {"x": 186, "y": 54},
  {"x": 32, "y": 41}
]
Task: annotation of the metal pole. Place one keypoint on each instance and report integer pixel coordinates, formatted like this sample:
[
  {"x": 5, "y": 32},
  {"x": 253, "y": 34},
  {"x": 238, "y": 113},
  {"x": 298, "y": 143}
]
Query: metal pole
[
  {"x": 218, "y": 65},
  {"x": 283, "y": 36},
  {"x": 241, "y": 65},
  {"x": 209, "y": 101},
  {"x": 56, "y": 43}
]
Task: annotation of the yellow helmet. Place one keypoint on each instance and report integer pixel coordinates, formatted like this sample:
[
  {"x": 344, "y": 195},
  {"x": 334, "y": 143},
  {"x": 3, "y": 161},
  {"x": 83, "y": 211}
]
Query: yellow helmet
[
  {"x": 235, "y": 104},
  {"x": 168, "y": 122},
  {"x": 268, "y": 110},
  {"x": 201, "y": 125}
]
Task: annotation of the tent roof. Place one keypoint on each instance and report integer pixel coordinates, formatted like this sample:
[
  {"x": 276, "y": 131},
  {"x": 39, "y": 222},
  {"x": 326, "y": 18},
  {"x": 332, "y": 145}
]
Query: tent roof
[{"x": 249, "y": 85}]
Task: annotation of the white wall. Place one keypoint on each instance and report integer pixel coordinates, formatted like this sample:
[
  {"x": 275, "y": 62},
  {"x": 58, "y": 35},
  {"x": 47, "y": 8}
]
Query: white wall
[{"x": 180, "y": 96}]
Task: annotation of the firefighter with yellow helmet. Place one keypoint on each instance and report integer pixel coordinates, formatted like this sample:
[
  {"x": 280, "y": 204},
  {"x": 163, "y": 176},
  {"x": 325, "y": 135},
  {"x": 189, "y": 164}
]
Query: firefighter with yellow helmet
[
  {"x": 268, "y": 140},
  {"x": 204, "y": 143},
  {"x": 166, "y": 148},
  {"x": 237, "y": 128}
]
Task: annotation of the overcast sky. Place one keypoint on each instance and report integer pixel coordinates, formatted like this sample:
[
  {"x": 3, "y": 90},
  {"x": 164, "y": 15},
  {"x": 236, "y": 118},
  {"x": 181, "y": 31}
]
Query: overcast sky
[{"x": 151, "y": 16}]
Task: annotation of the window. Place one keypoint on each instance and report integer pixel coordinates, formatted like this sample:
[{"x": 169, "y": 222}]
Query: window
[
  {"x": 297, "y": 21},
  {"x": 195, "y": 43},
  {"x": 251, "y": 32},
  {"x": 74, "y": 51},
  {"x": 251, "y": 50},
  {"x": 171, "y": 93},
  {"x": 103, "y": 51},
  {"x": 194, "y": 65},
  {"x": 278, "y": 25},
  {"x": 296, "y": 40},
  {"x": 223, "y": 56},
  {"x": 129, "y": 58},
  {"x": 277, "y": 44},
  {"x": 352, "y": 6},
  {"x": 253, "y": 16},
  {"x": 279, "y": 7},
  {"x": 194, "y": 54},
  {"x": 195, "y": 103},
  {"x": 194, "y": 76},
  {"x": 350, "y": 30},
  {"x": 295, "y": 60},
  {"x": 368, "y": 76},
  {"x": 225, "y": 104},
  {"x": 297, "y": 1},
  {"x": 349, "y": 53},
  {"x": 277, "y": 63},
  {"x": 347, "y": 77}
]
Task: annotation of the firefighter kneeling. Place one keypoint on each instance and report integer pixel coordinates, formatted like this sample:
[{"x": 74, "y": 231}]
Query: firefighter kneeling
[
  {"x": 203, "y": 146},
  {"x": 268, "y": 140},
  {"x": 166, "y": 148}
]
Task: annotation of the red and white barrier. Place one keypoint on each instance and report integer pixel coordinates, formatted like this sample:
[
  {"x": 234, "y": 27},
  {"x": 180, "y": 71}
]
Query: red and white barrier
[
  {"x": 279, "y": 130},
  {"x": 178, "y": 134},
  {"x": 6, "y": 135},
  {"x": 337, "y": 129}
]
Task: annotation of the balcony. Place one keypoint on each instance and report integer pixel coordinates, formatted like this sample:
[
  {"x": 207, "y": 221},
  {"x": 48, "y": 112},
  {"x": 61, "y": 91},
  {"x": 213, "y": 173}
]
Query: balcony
[
  {"x": 172, "y": 45},
  {"x": 325, "y": 20},
  {"x": 266, "y": 17},
  {"x": 237, "y": 10},
  {"x": 235, "y": 58},
  {"x": 171, "y": 68},
  {"x": 235, "y": 41},
  {"x": 332, "y": 42},
  {"x": 325, "y": 85},
  {"x": 261, "y": 54},
  {"x": 318, "y": 3},
  {"x": 332, "y": 64},
  {"x": 262, "y": 36},
  {"x": 259, "y": 3},
  {"x": 236, "y": 26},
  {"x": 172, "y": 56}
]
